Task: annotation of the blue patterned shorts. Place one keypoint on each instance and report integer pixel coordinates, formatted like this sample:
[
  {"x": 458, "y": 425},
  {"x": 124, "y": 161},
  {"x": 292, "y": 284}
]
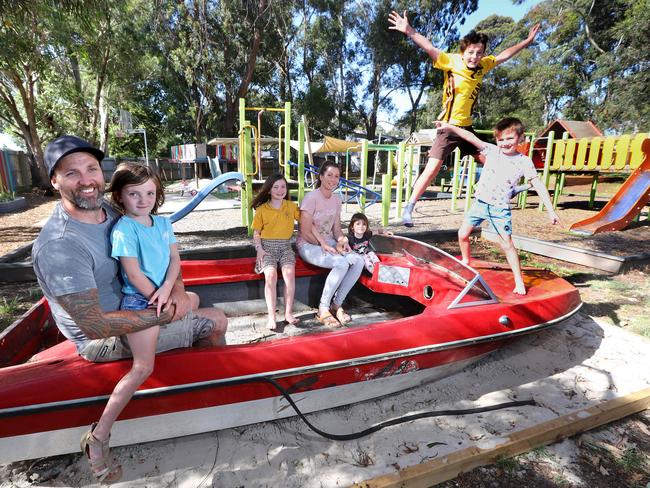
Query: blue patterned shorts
[{"x": 500, "y": 219}]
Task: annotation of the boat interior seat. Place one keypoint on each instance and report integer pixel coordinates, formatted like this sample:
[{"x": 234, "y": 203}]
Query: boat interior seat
[{"x": 61, "y": 350}]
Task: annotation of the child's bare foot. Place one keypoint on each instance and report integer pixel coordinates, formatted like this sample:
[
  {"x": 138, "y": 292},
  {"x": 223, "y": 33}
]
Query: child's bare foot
[
  {"x": 291, "y": 320},
  {"x": 271, "y": 325},
  {"x": 520, "y": 289}
]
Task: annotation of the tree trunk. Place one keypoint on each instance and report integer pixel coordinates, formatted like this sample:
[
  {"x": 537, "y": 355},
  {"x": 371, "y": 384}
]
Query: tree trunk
[
  {"x": 27, "y": 126},
  {"x": 232, "y": 102},
  {"x": 96, "y": 135}
]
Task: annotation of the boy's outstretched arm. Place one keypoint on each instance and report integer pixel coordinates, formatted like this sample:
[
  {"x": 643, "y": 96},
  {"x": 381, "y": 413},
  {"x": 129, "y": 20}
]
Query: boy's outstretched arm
[
  {"x": 546, "y": 199},
  {"x": 465, "y": 134},
  {"x": 401, "y": 24},
  {"x": 506, "y": 54}
]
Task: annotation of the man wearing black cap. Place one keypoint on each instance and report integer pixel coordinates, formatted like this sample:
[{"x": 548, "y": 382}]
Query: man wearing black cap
[{"x": 73, "y": 264}]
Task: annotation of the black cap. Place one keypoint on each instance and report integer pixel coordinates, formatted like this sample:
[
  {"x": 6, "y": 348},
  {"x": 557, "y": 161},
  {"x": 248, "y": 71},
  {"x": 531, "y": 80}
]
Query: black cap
[{"x": 64, "y": 145}]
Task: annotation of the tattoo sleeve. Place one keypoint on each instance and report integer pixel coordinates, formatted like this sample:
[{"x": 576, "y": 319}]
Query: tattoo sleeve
[{"x": 95, "y": 323}]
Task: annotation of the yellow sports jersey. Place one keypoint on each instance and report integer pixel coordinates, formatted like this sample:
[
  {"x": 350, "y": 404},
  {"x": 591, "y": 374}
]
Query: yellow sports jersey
[
  {"x": 276, "y": 223},
  {"x": 461, "y": 87}
]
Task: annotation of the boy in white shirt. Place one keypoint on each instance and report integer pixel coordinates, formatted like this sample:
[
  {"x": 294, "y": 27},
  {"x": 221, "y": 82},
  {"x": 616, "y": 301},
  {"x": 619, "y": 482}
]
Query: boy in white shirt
[{"x": 503, "y": 168}]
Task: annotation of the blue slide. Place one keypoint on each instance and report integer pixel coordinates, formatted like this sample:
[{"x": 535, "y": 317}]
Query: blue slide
[
  {"x": 204, "y": 192},
  {"x": 355, "y": 190}
]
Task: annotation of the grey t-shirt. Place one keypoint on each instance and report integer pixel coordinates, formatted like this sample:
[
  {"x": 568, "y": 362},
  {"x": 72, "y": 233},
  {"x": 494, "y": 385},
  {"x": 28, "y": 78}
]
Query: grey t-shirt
[{"x": 71, "y": 257}]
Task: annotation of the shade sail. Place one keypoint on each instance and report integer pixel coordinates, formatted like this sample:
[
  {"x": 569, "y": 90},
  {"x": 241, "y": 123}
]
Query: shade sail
[{"x": 329, "y": 145}]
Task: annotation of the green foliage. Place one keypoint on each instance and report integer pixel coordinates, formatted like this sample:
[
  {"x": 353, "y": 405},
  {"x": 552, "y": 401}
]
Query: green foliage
[
  {"x": 633, "y": 460},
  {"x": 8, "y": 311},
  {"x": 7, "y": 196},
  {"x": 507, "y": 464},
  {"x": 180, "y": 67}
]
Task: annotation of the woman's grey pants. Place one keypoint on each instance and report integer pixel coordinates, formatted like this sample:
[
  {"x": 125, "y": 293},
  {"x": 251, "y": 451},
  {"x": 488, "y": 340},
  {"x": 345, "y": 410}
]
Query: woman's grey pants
[{"x": 346, "y": 270}]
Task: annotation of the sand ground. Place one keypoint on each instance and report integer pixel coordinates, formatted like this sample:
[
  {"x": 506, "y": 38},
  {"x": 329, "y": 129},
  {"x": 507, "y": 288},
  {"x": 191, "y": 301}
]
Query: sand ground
[{"x": 577, "y": 364}]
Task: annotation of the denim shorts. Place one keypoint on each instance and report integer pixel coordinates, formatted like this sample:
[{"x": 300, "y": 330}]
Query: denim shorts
[
  {"x": 500, "y": 219},
  {"x": 182, "y": 333},
  {"x": 135, "y": 301}
]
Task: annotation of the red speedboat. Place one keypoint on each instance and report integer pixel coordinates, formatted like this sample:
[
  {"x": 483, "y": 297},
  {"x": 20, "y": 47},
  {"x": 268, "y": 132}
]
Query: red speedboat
[{"x": 422, "y": 315}]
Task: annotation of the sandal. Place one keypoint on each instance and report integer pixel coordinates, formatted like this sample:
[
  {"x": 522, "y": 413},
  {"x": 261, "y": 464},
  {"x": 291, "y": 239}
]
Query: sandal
[
  {"x": 341, "y": 316},
  {"x": 328, "y": 320},
  {"x": 101, "y": 468}
]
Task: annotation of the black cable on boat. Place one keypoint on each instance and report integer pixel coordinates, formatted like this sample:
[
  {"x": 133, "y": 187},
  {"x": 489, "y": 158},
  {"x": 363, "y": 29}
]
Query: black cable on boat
[{"x": 388, "y": 423}]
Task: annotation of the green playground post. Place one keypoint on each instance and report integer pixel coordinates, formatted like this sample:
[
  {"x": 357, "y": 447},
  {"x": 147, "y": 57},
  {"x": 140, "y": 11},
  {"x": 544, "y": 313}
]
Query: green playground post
[
  {"x": 385, "y": 202},
  {"x": 559, "y": 179},
  {"x": 471, "y": 180},
  {"x": 546, "y": 173},
  {"x": 454, "y": 181},
  {"x": 409, "y": 176},
  {"x": 242, "y": 157},
  {"x": 287, "y": 140},
  {"x": 247, "y": 168},
  {"x": 248, "y": 163},
  {"x": 301, "y": 161},
  {"x": 364, "y": 172},
  {"x": 401, "y": 159}
]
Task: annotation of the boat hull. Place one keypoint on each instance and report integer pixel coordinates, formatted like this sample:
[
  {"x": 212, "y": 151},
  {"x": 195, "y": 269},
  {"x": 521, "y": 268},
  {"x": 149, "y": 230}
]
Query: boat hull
[{"x": 46, "y": 404}]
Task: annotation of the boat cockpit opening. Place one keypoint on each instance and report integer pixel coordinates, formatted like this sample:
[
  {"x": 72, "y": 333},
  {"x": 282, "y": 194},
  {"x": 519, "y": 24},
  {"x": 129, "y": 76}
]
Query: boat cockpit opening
[{"x": 441, "y": 268}]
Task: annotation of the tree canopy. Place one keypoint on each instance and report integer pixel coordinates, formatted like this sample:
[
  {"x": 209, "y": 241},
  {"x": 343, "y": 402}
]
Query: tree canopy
[{"x": 180, "y": 67}]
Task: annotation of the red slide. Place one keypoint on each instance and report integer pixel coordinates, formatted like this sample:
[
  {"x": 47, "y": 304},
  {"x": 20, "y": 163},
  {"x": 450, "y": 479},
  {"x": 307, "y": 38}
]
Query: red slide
[{"x": 625, "y": 205}]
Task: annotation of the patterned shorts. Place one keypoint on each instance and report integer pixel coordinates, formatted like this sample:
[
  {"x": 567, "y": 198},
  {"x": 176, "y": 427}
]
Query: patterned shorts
[
  {"x": 500, "y": 219},
  {"x": 278, "y": 251}
]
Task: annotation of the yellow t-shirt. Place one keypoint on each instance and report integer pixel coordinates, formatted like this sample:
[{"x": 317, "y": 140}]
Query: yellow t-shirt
[
  {"x": 276, "y": 223},
  {"x": 461, "y": 87}
]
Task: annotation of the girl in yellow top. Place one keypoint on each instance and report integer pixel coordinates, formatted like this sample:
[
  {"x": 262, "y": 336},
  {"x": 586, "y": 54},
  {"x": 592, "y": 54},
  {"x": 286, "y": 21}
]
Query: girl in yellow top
[{"x": 273, "y": 223}]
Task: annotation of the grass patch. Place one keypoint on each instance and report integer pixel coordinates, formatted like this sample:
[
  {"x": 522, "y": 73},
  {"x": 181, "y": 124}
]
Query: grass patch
[
  {"x": 524, "y": 258},
  {"x": 9, "y": 309},
  {"x": 542, "y": 453},
  {"x": 632, "y": 460},
  {"x": 641, "y": 326},
  {"x": 507, "y": 464}
]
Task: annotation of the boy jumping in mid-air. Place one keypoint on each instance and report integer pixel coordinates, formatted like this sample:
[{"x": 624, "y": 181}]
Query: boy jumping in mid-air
[
  {"x": 463, "y": 75},
  {"x": 504, "y": 166}
]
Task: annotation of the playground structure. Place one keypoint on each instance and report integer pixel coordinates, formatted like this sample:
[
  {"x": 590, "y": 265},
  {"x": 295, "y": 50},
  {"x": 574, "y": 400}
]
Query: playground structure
[
  {"x": 250, "y": 140},
  {"x": 625, "y": 205},
  {"x": 590, "y": 154}
]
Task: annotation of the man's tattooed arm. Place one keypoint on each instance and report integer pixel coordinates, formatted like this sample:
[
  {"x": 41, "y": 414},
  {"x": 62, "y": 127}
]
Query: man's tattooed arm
[{"x": 95, "y": 323}]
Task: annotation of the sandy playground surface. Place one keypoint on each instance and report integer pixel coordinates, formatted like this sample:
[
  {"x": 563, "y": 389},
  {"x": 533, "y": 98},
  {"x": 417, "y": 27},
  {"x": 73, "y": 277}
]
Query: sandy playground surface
[{"x": 574, "y": 365}]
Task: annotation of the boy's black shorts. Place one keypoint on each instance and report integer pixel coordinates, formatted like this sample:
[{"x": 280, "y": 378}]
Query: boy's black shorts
[{"x": 446, "y": 141}]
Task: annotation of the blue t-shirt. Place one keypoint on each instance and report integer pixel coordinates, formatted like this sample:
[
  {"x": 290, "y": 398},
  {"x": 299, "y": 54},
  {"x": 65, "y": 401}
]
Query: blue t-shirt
[{"x": 149, "y": 244}]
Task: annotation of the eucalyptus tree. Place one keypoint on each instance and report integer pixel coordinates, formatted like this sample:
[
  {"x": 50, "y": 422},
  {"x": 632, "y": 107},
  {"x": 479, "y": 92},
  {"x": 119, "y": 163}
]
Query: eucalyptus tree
[
  {"x": 58, "y": 63},
  {"x": 24, "y": 62},
  {"x": 325, "y": 53},
  {"x": 214, "y": 52},
  {"x": 591, "y": 63},
  {"x": 376, "y": 55}
]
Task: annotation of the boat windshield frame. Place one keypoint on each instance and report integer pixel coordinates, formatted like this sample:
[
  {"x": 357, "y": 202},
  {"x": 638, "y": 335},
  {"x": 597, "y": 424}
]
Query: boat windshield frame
[{"x": 418, "y": 252}]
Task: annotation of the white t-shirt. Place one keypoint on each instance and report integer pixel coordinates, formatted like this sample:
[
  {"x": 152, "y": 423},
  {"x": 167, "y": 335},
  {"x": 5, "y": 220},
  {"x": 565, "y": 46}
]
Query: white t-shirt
[{"x": 500, "y": 175}]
